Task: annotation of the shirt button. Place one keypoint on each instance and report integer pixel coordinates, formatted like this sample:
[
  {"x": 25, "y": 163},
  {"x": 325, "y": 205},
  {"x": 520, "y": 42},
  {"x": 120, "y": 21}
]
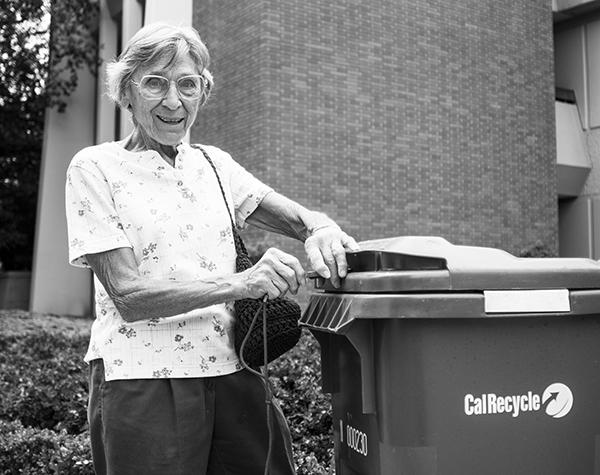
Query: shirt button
[{"x": 179, "y": 183}]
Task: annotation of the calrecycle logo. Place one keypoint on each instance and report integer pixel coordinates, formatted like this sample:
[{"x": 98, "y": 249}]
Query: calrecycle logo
[{"x": 556, "y": 401}]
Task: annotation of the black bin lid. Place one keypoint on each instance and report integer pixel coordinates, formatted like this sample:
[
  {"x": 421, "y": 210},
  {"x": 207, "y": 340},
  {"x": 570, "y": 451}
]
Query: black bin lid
[{"x": 429, "y": 263}]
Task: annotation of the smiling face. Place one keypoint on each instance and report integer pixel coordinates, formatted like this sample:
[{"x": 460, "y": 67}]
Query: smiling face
[{"x": 163, "y": 121}]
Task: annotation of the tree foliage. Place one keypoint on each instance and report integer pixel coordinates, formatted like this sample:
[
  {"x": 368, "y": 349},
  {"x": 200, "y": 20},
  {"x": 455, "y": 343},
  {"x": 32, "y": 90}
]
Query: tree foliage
[{"x": 43, "y": 45}]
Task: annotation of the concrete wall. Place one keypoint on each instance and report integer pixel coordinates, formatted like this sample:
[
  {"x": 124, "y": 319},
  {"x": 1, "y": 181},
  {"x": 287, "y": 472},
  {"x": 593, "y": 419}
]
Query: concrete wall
[
  {"x": 577, "y": 42},
  {"x": 592, "y": 185},
  {"x": 396, "y": 118},
  {"x": 57, "y": 287}
]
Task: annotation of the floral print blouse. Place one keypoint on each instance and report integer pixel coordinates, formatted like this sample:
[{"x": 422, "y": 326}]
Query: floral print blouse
[{"x": 174, "y": 219}]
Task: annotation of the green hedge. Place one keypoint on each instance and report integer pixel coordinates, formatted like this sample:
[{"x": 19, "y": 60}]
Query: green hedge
[
  {"x": 43, "y": 383},
  {"x": 28, "y": 450},
  {"x": 43, "y": 380},
  {"x": 296, "y": 380}
]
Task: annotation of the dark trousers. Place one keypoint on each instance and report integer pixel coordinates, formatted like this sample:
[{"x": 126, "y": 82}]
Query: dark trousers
[{"x": 199, "y": 426}]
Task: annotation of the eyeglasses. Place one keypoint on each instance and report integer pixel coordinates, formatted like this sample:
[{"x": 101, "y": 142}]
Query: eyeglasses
[{"x": 157, "y": 87}]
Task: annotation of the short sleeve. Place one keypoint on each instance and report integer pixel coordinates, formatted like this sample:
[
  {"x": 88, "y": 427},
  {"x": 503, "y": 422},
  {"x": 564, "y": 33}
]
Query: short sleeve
[
  {"x": 247, "y": 191},
  {"x": 93, "y": 224}
]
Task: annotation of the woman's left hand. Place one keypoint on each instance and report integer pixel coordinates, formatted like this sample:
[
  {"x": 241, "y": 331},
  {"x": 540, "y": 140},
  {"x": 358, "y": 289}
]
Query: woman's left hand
[{"x": 326, "y": 250}]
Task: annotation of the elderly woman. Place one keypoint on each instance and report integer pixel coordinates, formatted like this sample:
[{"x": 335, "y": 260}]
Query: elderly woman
[{"x": 167, "y": 392}]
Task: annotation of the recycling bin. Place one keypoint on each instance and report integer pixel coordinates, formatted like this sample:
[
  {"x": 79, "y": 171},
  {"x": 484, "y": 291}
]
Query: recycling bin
[{"x": 459, "y": 360}]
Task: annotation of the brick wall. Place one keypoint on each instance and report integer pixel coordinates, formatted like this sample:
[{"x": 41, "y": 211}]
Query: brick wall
[{"x": 394, "y": 117}]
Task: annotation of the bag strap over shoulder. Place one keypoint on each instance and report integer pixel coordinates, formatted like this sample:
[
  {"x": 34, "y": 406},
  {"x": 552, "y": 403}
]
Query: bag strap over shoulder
[
  {"x": 240, "y": 247},
  {"x": 209, "y": 160}
]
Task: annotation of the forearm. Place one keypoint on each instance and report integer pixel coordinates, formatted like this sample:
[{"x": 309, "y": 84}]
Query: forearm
[
  {"x": 324, "y": 242},
  {"x": 279, "y": 214},
  {"x": 142, "y": 299},
  {"x": 137, "y": 297}
]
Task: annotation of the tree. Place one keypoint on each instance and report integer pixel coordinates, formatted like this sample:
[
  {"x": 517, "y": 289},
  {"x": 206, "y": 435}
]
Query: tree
[{"x": 43, "y": 45}]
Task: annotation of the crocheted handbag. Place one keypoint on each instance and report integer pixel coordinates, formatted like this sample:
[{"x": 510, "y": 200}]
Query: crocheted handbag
[{"x": 282, "y": 314}]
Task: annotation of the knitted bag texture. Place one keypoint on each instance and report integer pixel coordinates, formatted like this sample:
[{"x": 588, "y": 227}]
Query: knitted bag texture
[{"x": 282, "y": 314}]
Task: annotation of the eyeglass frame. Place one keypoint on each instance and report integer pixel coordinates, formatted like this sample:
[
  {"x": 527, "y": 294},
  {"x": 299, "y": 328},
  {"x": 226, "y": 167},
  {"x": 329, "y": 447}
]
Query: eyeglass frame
[{"x": 205, "y": 85}]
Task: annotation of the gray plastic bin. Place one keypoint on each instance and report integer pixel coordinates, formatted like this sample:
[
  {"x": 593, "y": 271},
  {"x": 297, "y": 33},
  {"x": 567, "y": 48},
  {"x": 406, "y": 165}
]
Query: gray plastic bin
[{"x": 457, "y": 360}]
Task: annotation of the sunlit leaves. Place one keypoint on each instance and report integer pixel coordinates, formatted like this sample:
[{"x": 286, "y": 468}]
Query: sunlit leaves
[{"x": 43, "y": 46}]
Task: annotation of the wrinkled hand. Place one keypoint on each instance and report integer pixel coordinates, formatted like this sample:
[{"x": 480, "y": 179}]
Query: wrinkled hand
[
  {"x": 326, "y": 250},
  {"x": 273, "y": 275}
]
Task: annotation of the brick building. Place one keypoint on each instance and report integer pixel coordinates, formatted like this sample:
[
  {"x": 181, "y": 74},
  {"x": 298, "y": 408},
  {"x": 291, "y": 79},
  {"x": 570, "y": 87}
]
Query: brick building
[{"x": 394, "y": 117}]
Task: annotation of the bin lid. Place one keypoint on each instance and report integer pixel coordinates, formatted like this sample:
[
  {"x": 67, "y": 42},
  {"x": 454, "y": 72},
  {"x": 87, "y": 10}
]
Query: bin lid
[{"x": 430, "y": 263}]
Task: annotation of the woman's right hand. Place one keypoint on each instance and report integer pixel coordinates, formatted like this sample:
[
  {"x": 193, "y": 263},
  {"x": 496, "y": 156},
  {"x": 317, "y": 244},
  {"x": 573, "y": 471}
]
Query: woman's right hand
[{"x": 273, "y": 275}]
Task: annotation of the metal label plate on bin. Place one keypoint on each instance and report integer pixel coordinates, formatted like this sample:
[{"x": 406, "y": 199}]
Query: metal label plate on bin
[{"x": 526, "y": 301}]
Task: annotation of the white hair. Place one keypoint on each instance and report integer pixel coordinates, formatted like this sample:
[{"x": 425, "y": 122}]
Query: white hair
[{"x": 154, "y": 42}]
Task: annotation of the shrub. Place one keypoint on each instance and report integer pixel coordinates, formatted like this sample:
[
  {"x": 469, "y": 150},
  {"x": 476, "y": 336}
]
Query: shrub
[
  {"x": 296, "y": 380},
  {"x": 43, "y": 379},
  {"x": 34, "y": 451},
  {"x": 537, "y": 249},
  {"x": 44, "y": 394},
  {"x": 43, "y": 383}
]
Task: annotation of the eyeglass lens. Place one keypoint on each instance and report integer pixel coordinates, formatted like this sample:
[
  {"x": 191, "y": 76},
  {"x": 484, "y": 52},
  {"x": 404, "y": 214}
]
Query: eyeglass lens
[{"x": 155, "y": 87}]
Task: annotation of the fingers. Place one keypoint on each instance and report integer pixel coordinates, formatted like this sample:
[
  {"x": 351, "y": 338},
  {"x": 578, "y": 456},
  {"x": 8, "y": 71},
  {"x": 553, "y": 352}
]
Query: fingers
[
  {"x": 339, "y": 249},
  {"x": 290, "y": 274},
  {"x": 277, "y": 272},
  {"x": 273, "y": 275},
  {"x": 326, "y": 251},
  {"x": 350, "y": 244},
  {"x": 339, "y": 256},
  {"x": 316, "y": 257}
]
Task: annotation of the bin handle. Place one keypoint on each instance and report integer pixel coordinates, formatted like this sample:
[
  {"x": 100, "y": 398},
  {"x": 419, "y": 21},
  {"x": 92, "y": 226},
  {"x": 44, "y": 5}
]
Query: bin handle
[
  {"x": 376, "y": 261},
  {"x": 360, "y": 335}
]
